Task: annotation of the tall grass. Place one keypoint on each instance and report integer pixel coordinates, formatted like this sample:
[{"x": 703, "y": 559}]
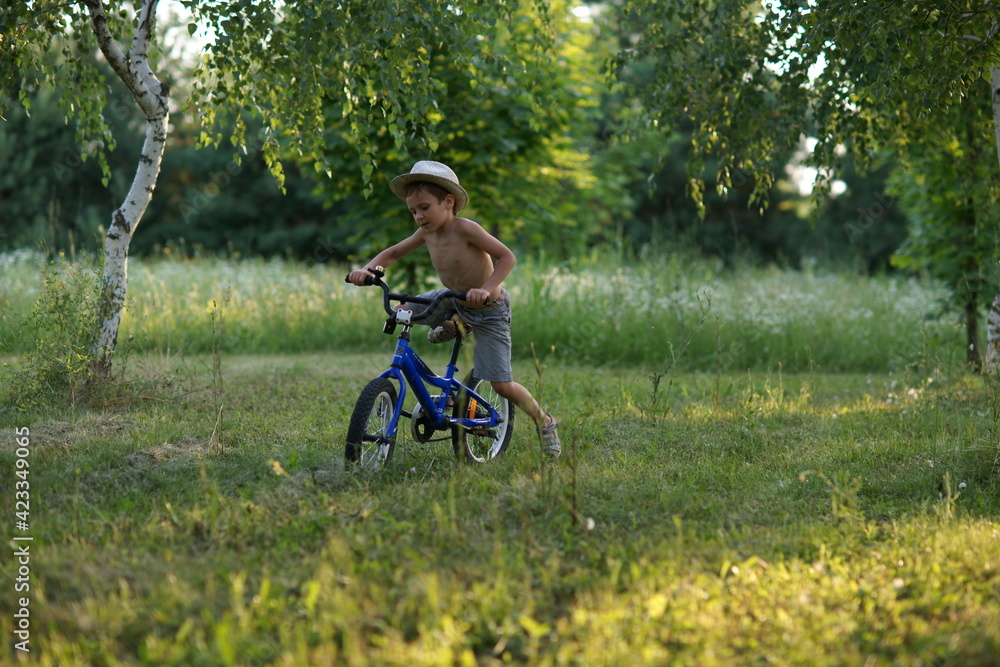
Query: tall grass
[
  {"x": 739, "y": 318},
  {"x": 593, "y": 310}
]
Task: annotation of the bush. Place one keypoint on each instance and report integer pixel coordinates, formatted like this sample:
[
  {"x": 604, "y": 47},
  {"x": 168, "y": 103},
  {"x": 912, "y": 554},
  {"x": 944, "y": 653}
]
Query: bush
[{"x": 58, "y": 332}]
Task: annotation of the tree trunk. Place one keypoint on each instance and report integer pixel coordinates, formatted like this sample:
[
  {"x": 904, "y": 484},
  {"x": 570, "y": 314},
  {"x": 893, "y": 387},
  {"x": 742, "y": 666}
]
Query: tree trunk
[
  {"x": 133, "y": 69},
  {"x": 995, "y": 87},
  {"x": 993, "y": 336},
  {"x": 993, "y": 326},
  {"x": 973, "y": 355}
]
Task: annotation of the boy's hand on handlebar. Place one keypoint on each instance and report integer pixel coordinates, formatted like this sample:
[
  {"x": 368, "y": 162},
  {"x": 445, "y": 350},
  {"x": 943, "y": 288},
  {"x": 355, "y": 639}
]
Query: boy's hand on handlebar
[
  {"x": 359, "y": 276},
  {"x": 477, "y": 296}
]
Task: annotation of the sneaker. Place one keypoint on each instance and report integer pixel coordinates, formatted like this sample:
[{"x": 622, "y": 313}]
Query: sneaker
[
  {"x": 441, "y": 334},
  {"x": 550, "y": 438}
]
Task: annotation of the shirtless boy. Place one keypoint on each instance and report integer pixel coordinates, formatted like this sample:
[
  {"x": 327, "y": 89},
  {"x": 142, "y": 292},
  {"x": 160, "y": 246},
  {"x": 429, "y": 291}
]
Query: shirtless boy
[{"x": 463, "y": 255}]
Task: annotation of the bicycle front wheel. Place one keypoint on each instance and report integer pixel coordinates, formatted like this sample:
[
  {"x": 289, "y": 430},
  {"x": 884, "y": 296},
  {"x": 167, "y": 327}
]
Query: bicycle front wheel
[
  {"x": 480, "y": 446},
  {"x": 368, "y": 441}
]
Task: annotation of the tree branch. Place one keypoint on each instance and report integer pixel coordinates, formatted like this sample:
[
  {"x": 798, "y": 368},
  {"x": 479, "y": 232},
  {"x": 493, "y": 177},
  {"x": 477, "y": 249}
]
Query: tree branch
[
  {"x": 132, "y": 67},
  {"x": 971, "y": 38},
  {"x": 139, "y": 54},
  {"x": 109, "y": 46},
  {"x": 50, "y": 8}
]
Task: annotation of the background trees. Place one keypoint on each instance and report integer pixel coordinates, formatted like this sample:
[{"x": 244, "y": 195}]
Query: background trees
[
  {"x": 564, "y": 178},
  {"x": 273, "y": 69},
  {"x": 286, "y": 129},
  {"x": 947, "y": 185},
  {"x": 753, "y": 79}
]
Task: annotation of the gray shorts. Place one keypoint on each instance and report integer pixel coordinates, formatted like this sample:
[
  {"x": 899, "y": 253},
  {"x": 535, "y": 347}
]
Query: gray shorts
[{"x": 491, "y": 329}]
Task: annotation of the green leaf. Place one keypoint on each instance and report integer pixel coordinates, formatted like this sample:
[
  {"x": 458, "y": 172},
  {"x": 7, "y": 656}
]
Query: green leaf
[
  {"x": 533, "y": 627},
  {"x": 277, "y": 172}
]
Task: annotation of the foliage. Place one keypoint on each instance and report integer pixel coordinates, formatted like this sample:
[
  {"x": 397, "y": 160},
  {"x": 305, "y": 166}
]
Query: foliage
[
  {"x": 948, "y": 188},
  {"x": 392, "y": 87},
  {"x": 686, "y": 538},
  {"x": 209, "y": 202},
  {"x": 863, "y": 227},
  {"x": 522, "y": 161},
  {"x": 51, "y": 187},
  {"x": 563, "y": 180},
  {"x": 853, "y": 229},
  {"x": 753, "y": 77},
  {"x": 58, "y": 332},
  {"x": 41, "y": 51}
]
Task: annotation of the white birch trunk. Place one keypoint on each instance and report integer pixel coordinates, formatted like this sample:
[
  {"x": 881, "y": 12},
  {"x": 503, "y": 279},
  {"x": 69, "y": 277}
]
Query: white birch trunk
[
  {"x": 993, "y": 336},
  {"x": 133, "y": 69},
  {"x": 995, "y": 87},
  {"x": 993, "y": 323}
]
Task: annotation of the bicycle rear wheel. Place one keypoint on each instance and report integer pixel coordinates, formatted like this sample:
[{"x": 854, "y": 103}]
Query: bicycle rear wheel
[
  {"x": 368, "y": 444},
  {"x": 489, "y": 443}
]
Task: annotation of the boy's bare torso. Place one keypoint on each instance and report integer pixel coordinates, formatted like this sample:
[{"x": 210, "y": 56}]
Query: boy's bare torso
[{"x": 460, "y": 265}]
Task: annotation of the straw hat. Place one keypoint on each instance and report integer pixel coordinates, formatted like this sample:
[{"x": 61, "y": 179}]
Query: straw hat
[{"x": 432, "y": 172}]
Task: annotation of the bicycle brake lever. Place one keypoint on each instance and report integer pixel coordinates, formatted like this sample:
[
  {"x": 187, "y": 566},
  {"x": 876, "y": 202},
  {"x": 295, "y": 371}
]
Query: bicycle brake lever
[{"x": 378, "y": 272}]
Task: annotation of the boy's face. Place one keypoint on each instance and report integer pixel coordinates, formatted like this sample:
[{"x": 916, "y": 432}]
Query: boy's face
[{"x": 428, "y": 211}]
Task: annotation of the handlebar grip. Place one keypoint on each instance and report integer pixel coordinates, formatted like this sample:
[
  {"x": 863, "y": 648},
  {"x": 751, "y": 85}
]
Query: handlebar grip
[{"x": 374, "y": 279}]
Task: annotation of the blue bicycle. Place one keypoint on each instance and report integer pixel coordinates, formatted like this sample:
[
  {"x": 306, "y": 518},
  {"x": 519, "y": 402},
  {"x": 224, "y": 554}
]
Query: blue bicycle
[{"x": 480, "y": 421}]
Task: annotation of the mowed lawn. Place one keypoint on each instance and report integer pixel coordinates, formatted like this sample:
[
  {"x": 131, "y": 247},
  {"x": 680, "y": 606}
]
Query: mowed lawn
[{"x": 201, "y": 514}]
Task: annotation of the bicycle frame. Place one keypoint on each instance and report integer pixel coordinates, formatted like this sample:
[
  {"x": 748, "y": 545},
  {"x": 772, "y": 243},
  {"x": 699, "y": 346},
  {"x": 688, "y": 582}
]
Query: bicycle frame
[{"x": 408, "y": 368}]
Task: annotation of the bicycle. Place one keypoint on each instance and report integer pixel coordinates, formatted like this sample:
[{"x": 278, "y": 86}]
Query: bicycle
[{"x": 481, "y": 422}]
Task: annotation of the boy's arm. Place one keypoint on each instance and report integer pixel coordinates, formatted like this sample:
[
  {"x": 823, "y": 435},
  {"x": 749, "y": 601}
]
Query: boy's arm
[
  {"x": 491, "y": 245},
  {"x": 387, "y": 257}
]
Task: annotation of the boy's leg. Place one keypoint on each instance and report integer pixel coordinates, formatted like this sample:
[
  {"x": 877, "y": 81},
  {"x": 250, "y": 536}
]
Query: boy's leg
[
  {"x": 492, "y": 359},
  {"x": 522, "y": 398}
]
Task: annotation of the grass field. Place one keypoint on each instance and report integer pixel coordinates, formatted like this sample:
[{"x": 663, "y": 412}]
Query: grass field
[
  {"x": 199, "y": 512},
  {"x": 603, "y": 311}
]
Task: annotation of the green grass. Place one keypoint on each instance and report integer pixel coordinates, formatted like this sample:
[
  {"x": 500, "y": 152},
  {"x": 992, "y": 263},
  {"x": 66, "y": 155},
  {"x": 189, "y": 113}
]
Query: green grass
[
  {"x": 834, "y": 504},
  {"x": 655, "y": 312},
  {"x": 732, "y": 518}
]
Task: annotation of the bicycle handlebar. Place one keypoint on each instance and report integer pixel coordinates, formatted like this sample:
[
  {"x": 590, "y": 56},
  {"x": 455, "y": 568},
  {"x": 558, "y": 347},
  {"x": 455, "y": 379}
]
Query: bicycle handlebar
[{"x": 388, "y": 296}]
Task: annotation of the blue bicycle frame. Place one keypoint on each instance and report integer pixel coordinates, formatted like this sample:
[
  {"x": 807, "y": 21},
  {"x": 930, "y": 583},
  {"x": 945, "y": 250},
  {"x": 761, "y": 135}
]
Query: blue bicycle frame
[{"x": 408, "y": 368}]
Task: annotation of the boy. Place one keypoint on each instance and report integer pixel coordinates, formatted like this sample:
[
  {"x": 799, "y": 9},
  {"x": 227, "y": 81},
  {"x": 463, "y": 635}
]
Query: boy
[{"x": 462, "y": 253}]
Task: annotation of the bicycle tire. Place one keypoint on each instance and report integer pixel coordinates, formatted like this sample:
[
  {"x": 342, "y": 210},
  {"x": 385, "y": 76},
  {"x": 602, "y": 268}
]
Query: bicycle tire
[
  {"x": 369, "y": 421},
  {"x": 482, "y": 448}
]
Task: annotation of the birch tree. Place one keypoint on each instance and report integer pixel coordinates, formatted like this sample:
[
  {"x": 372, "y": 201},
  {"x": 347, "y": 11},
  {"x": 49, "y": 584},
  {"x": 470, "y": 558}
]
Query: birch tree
[
  {"x": 25, "y": 63},
  {"x": 283, "y": 61}
]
